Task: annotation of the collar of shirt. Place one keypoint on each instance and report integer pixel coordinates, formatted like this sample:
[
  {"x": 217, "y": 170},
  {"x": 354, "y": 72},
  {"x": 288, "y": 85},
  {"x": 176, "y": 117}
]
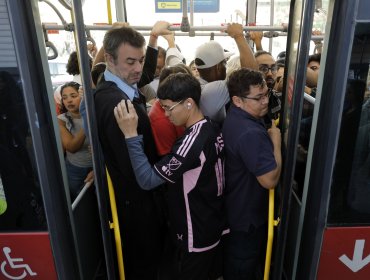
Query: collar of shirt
[
  {"x": 130, "y": 91},
  {"x": 245, "y": 114}
]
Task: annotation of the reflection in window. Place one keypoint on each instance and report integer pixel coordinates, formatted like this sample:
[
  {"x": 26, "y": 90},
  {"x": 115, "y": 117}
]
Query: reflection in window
[
  {"x": 350, "y": 192},
  {"x": 359, "y": 191},
  {"x": 20, "y": 198}
]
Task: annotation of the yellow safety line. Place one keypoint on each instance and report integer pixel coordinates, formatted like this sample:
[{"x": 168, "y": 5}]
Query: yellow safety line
[
  {"x": 109, "y": 9},
  {"x": 115, "y": 226},
  {"x": 270, "y": 233}
]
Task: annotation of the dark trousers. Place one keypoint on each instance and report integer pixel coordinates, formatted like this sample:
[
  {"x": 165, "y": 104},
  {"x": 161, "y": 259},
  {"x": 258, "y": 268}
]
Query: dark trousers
[
  {"x": 192, "y": 266},
  {"x": 244, "y": 254}
]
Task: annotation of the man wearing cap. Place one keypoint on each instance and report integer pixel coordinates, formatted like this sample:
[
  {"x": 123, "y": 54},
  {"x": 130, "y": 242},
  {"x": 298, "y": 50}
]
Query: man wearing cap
[{"x": 210, "y": 60}]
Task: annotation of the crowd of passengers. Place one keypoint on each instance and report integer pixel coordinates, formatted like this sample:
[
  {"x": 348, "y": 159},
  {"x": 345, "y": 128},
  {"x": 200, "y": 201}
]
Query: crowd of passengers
[{"x": 192, "y": 150}]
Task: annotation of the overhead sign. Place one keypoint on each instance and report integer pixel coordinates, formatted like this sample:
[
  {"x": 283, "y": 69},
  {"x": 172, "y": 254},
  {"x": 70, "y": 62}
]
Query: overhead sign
[
  {"x": 175, "y": 6},
  {"x": 26, "y": 256},
  {"x": 345, "y": 254}
]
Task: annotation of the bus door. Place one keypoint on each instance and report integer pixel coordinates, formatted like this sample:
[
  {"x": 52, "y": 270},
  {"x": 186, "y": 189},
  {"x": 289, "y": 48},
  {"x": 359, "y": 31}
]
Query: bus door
[
  {"x": 327, "y": 232},
  {"x": 299, "y": 33},
  {"x": 335, "y": 241},
  {"x": 41, "y": 237}
]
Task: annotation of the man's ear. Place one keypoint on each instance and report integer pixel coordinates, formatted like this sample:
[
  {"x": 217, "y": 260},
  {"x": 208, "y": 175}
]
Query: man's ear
[
  {"x": 109, "y": 58},
  {"x": 237, "y": 101},
  {"x": 189, "y": 103}
]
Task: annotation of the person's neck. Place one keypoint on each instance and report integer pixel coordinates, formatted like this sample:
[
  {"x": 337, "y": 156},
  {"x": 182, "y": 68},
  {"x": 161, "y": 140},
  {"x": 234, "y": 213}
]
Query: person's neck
[
  {"x": 194, "y": 117},
  {"x": 75, "y": 115},
  {"x": 123, "y": 80}
]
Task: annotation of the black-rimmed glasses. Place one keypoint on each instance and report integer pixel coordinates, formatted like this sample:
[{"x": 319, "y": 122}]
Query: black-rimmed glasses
[
  {"x": 259, "y": 98},
  {"x": 264, "y": 68}
]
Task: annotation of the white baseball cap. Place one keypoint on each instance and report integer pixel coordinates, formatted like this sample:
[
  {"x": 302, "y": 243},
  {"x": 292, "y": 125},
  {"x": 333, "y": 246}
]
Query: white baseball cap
[{"x": 210, "y": 53}]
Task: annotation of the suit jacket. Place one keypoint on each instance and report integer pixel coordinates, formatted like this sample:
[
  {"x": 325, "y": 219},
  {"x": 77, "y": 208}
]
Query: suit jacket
[{"x": 139, "y": 214}]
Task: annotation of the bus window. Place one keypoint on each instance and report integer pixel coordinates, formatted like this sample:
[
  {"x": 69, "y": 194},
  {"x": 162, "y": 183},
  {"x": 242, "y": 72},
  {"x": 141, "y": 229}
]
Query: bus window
[
  {"x": 350, "y": 195},
  {"x": 20, "y": 197}
]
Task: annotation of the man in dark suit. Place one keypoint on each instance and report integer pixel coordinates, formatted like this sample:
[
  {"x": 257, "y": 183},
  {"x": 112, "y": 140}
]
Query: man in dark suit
[{"x": 140, "y": 218}]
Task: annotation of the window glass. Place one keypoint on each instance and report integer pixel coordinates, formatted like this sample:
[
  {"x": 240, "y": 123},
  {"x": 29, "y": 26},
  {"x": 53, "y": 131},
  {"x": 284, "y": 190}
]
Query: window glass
[
  {"x": 20, "y": 197},
  {"x": 350, "y": 192}
]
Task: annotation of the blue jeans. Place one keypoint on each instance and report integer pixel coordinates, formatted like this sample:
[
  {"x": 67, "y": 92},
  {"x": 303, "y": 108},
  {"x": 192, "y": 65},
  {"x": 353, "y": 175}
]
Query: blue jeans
[
  {"x": 76, "y": 176},
  {"x": 244, "y": 254}
]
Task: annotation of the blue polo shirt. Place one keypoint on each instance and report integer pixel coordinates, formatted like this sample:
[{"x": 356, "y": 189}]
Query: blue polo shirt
[{"x": 249, "y": 154}]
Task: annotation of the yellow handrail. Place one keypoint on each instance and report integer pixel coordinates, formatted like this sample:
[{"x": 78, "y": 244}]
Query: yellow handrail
[
  {"x": 115, "y": 226},
  {"x": 270, "y": 233},
  {"x": 109, "y": 9}
]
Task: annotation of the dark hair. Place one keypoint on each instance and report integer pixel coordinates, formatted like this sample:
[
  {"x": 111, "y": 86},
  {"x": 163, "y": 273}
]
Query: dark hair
[
  {"x": 97, "y": 71},
  {"x": 261, "y": 52},
  {"x": 114, "y": 38},
  {"x": 241, "y": 80},
  {"x": 63, "y": 108},
  {"x": 72, "y": 67},
  {"x": 280, "y": 62},
  {"x": 314, "y": 57},
  {"x": 179, "y": 86},
  {"x": 178, "y": 68},
  {"x": 161, "y": 52},
  {"x": 281, "y": 55}
]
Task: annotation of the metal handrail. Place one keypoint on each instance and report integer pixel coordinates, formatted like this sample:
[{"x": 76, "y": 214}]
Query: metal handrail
[
  {"x": 64, "y": 22},
  {"x": 175, "y": 28},
  {"x": 80, "y": 195},
  {"x": 65, "y": 4},
  {"x": 109, "y": 12},
  {"x": 271, "y": 31},
  {"x": 52, "y": 47},
  {"x": 89, "y": 38},
  {"x": 270, "y": 233},
  {"x": 115, "y": 226},
  {"x": 309, "y": 98}
]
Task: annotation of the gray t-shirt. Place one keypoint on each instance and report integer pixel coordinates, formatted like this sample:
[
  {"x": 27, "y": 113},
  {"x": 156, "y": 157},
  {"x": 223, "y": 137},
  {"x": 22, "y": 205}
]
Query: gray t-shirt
[
  {"x": 215, "y": 96},
  {"x": 81, "y": 158}
]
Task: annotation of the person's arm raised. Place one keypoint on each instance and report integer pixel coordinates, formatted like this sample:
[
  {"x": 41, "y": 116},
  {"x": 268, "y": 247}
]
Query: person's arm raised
[
  {"x": 160, "y": 28},
  {"x": 173, "y": 55},
  {"x": 256, "y": 37},
  {"x": 247, "y": 59}
]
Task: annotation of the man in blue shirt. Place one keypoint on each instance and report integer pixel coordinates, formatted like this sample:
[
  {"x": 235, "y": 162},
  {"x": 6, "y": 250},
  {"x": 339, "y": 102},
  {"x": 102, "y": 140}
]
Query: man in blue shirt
[{"x": 252, "y": 166}]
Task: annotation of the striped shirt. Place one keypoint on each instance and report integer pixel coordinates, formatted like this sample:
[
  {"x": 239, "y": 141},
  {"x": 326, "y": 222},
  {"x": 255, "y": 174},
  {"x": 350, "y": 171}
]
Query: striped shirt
[{"x": 195, "y": 173}]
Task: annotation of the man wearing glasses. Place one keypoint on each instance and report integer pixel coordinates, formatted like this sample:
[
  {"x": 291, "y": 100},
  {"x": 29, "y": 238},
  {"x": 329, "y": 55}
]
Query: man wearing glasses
[
  {"x": 252, "y": 167},
  {"x": 267, "y": 65}
]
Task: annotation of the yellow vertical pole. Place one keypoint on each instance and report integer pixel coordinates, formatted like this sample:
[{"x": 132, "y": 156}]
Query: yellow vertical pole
[
  {"x": 115, "y": 226},
  {"x": 270, "y": 233},
  {"x": 109, "y": 9}
]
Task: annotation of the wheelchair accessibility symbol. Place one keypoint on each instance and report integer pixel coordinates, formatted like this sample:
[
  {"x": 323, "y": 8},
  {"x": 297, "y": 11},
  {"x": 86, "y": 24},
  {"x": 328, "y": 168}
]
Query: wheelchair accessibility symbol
[{"x": 13, "y": 268}]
